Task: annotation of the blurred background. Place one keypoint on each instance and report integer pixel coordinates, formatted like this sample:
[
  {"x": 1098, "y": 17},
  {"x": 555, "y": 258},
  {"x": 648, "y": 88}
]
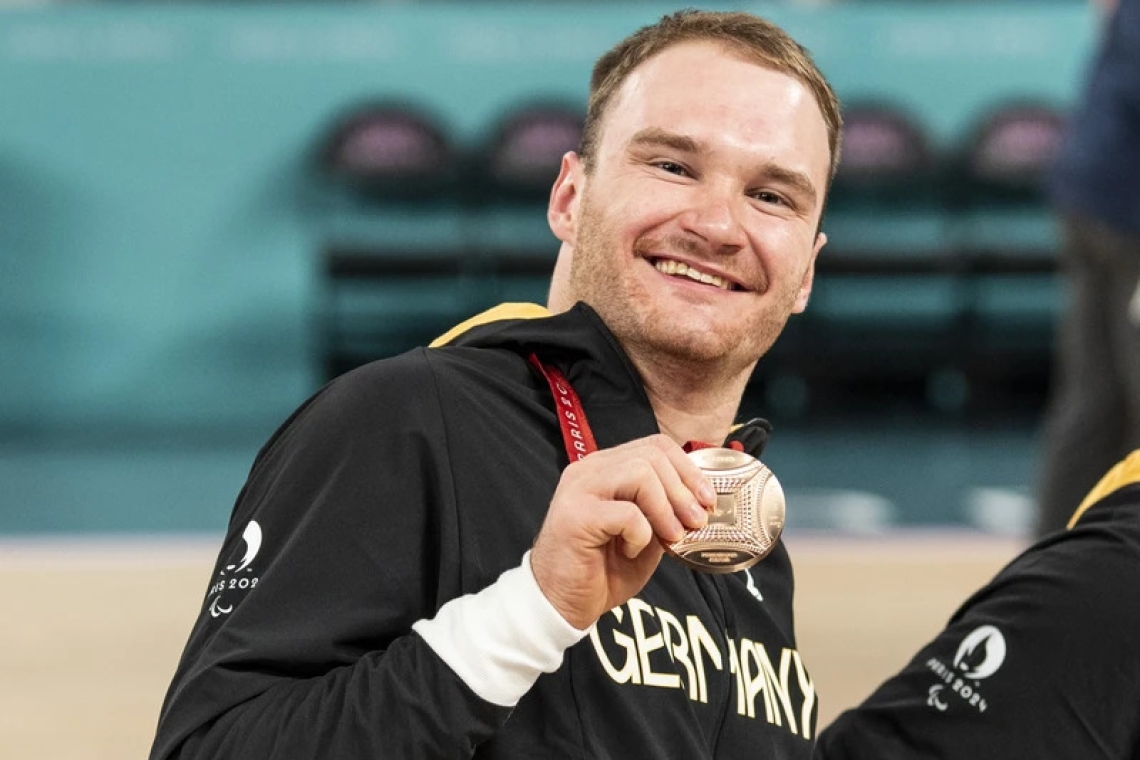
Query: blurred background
[{"x": 209, "y": 209}]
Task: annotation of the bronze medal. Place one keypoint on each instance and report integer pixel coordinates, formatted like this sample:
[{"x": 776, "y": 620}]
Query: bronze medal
[{"x": 747, "y": 520}]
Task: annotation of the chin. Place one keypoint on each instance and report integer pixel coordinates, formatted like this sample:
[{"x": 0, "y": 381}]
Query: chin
[{"x": 693, "y": 345}]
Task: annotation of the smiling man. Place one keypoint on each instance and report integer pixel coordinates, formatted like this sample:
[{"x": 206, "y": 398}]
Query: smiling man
[
  {"x": 690, "y": 221},
  {"x": 461, "y": 549}
]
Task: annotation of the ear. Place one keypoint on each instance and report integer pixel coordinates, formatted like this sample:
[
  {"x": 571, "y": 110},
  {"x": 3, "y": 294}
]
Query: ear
[
  {"x": 809, "y": 276},
  {"x": 562, "y": 211}
]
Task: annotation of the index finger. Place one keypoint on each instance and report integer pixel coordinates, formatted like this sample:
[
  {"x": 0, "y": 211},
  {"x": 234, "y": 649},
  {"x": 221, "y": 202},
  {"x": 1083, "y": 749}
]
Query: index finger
[{"x": 690, "y": 474}]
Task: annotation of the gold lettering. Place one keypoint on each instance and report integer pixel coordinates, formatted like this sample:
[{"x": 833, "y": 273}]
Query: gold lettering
[
  {"x": 734, "y": 668},
  {"x": 807, "y": 687},
  {"x": 702, "y": 643},
  {"x": 646, "y": 645},
  {"x": 628, "y": 672},
  {"x": 678, "y": 646},
  {"x": 752, "y": 676},
  {"x": 777, "y": 688},
  {"x": 691, "y": 645}
]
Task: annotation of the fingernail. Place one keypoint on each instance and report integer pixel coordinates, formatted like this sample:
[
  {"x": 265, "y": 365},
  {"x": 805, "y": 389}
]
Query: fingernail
[
  {"x": 698, "y": 515},
  {"x": 707, "y": 494}
]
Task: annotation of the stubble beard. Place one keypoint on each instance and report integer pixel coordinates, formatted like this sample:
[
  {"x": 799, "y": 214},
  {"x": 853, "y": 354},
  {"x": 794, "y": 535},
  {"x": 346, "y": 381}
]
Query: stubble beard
[{"x": 644, "y": 326}]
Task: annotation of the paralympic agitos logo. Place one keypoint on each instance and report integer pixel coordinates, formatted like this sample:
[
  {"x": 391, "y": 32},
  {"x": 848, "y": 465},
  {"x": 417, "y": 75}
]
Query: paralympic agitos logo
[
  {"x": 240, "y": 579},
  {"x": 978, "y": 657}
]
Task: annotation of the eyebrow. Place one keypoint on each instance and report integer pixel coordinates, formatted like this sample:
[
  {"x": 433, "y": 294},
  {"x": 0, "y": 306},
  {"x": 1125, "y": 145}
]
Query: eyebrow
[
  {"x": 796, "y": 180},
  {"x": 655, "y": 136}
]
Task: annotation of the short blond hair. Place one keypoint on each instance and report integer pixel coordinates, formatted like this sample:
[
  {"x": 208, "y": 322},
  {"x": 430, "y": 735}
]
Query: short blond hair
[{"x": 749, "y": 36}]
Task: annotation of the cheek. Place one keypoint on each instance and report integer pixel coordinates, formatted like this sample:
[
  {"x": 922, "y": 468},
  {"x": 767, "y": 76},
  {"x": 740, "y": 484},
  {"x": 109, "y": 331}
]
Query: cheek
[
  {"x": 641, "y": 215},
  {"x": 626, "y": 227},
  {"x": 646, "y": 205},
  {"x": 787, "y": 250}
]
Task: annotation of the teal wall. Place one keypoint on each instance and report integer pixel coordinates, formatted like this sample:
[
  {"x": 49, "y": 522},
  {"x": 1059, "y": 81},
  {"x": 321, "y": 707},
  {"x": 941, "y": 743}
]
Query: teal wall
[{"x": 157, "y": 227}]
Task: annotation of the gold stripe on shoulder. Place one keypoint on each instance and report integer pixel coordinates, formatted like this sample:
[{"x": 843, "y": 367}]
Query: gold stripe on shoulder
[
  {"x": 1125, "y": 473},
  {"x": 494, "y": 314}
]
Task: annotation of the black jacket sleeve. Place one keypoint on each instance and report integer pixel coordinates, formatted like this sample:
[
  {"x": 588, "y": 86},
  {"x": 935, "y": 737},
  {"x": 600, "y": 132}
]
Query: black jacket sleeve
[
  {"x": 343, "y": 536},
  {"x": 1041, "y": 663}
]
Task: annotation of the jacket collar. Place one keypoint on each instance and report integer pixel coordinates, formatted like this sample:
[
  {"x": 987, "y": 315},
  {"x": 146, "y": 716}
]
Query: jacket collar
[{"x": 582, "y": 347}]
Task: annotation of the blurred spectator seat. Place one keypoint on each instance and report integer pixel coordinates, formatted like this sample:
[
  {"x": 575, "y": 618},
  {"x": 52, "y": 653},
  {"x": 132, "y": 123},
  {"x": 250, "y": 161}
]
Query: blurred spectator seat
[
  {"x": 1006, "y": 241},
  {"x": 394, "y": 266},
  {"x": 885, "y": 295},
  {"x": 997, "y": 186},
  {"x": 390, "y": 151},
  {"x": 512, "y": 176},
  {"x": 524, "y": 152}
]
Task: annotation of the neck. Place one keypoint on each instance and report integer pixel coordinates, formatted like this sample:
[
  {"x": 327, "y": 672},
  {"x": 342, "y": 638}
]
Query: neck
[{"x": 691, "y": 403}]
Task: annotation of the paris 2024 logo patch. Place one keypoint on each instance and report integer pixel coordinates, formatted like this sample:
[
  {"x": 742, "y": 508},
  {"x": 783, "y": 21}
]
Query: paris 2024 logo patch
[
  {"x": 236, "y": 579},
  {"x": 978, "y": 657}
]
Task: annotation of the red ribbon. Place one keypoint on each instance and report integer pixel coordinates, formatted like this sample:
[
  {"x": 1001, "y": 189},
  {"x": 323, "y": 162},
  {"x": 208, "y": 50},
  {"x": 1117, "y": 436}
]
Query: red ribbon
[{"x": 576, "y": 433}]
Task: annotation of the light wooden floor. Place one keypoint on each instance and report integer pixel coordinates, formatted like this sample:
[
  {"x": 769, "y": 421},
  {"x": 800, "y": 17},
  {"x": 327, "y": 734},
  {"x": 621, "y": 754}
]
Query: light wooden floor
[{"x": 92, "y": 630}]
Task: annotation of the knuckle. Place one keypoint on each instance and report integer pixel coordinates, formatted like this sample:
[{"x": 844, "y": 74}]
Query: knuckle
[
  {"x": 690, "y": 472},
  {"x": 571, "y": 474},
  {"x": 658, "y": 454},
  {"x": 573, "y": 469},
  {"x": 642, "y": 468}
]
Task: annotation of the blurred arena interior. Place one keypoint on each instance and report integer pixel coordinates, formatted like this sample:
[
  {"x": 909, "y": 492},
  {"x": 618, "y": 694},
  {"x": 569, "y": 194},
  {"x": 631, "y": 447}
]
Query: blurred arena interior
[{"x": 206, "y": 210}]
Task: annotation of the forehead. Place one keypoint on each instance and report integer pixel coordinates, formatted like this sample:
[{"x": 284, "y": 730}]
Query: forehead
[{"x": 723, "y": 100}]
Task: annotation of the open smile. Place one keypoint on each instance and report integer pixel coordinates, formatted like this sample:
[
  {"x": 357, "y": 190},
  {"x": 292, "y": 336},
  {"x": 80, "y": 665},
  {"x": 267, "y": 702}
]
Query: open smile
[{"x": 675, "y": 268}]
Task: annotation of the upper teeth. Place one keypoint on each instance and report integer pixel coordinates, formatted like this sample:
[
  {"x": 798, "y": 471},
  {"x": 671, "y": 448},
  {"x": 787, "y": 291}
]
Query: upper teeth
[{"x": 681, "y": 269}]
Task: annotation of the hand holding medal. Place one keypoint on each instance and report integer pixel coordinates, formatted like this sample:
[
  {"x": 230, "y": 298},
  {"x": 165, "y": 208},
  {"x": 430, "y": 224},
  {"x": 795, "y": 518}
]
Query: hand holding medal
[{"x": 748, "y": 518}]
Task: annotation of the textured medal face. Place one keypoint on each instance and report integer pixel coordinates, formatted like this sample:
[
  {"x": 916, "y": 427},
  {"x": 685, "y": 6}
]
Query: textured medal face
[{"x": 747, "y": 520}]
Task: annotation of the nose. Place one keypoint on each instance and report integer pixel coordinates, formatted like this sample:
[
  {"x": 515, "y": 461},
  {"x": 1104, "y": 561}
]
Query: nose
[{"x": 715, "y": 216}]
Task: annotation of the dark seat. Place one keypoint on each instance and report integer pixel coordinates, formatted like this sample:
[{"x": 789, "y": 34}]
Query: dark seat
[
  {"x": 395, "y": 269},
  {"x": 885, "y": 289},
  {"x": 997, "y": 188},
  {"x": 1005, "y": 238},
  {"x": 512, "y": 176},
  {"x": 390, "y": 150}
]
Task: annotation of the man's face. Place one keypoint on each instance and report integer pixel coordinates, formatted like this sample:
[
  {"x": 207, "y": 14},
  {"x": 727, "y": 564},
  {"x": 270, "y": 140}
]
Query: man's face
[{"x": 694, "y": 233}]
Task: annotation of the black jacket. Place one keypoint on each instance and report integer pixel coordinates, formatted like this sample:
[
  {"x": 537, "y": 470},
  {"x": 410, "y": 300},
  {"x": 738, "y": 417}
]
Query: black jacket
[
  {"x": 414, "y": 481},
  {"x": 1041, "y": 663}
]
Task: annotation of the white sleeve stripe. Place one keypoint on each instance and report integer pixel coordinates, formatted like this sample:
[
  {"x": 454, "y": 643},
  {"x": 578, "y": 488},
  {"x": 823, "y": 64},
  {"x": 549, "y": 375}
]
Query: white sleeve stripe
[{"x": 501, "y": 639}]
